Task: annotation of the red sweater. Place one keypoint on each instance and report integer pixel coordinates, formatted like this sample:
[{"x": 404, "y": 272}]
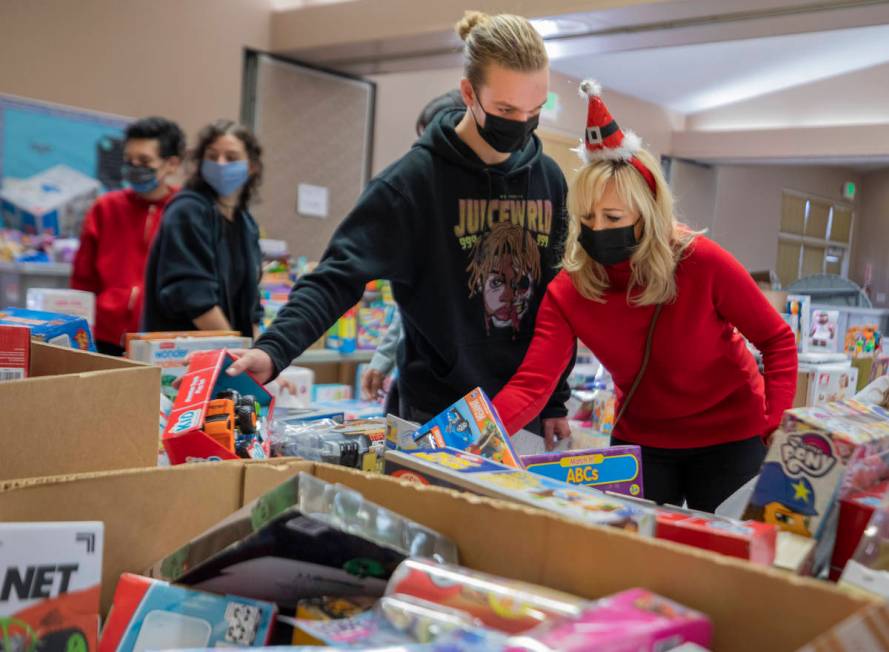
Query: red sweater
[
  {"x": 702, "y": 386},
  {"x": 114, "y": 244}
]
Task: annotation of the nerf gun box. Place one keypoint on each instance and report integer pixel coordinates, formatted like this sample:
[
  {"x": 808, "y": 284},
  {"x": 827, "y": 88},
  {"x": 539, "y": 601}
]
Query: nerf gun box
[
  {"x": 617, "y": 469},
  {"x": 171, "y": 354},
  {"x": 217, "y": 416},
  {"x": 459, "y": 470},
  {"x": 154, "y": 615},
  {"x": 50, "y": 583},
  {"x": 50, "y": 327},
  {"x": 305, "y": 538},
  {"x": 15, "y": 353},
  {"x": 472, "y": 425},
  {"x": 799, "y": 484},
  {"x": 636, "y": 620},
  {"x": 750, "y": 540}
]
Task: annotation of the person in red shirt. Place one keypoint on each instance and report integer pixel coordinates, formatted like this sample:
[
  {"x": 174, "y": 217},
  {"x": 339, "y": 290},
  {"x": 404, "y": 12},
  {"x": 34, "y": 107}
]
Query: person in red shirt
[
  {"x": 666, "y": 311},
  {"x": 120, "y": 227}
]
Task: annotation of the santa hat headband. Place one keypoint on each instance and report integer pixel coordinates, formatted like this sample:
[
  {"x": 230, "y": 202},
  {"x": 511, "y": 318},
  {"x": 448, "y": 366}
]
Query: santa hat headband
[{"x": 604, "y": 140}]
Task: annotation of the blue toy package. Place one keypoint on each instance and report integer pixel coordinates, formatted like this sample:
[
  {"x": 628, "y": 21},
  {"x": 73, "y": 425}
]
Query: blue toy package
[
  {"x": 50, "y": 327},
  {"x": 472, "y": 425},
  {"x": 154, "y": 615}
]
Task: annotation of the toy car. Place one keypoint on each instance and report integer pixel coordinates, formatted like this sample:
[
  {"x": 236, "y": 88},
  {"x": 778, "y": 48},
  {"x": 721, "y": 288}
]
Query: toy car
[{"x": 220, "y": 422}]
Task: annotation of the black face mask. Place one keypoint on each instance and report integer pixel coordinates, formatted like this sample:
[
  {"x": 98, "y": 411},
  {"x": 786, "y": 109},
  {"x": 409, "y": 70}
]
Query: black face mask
[
  {"x": 608, "y": 246},
  {"x": 505, "y": 136}
]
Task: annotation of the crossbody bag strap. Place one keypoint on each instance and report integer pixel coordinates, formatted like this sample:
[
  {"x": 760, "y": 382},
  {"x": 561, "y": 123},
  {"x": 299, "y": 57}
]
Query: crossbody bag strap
[{"x": 645, "y": 358}]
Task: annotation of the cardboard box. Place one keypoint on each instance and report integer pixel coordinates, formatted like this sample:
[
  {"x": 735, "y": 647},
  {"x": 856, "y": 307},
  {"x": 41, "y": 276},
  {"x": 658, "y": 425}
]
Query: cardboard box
[
  {"x": 63, "y": 301},
  {"x": 50, "y": 582},
  {"x": 864, "y": 631},
  {"x": 53, "y": 202},
  {"x": 185, "y": 439},
  {"x": 52, "y": 328},
  {"x": 455, "y": 469},
  {"x": 171, "y": 354},
  {"x": 154, "y": 615},
  {"x": 617, "y": 469},
  {"x": 79, "y": 412},
  {"x": 830, "y": 384},
  {"x": 749, "y": 540},
  {"x": 15, "y": 352},
  {"x": 472, "y": 425},
  {"x": 752, "y": 608},
  {"x": 803, "y": 471}
]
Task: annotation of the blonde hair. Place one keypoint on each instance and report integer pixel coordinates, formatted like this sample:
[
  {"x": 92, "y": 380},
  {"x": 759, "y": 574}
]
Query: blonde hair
[
  {"x": 664, "y": 239},
  {"x": 505, "y": 39}
]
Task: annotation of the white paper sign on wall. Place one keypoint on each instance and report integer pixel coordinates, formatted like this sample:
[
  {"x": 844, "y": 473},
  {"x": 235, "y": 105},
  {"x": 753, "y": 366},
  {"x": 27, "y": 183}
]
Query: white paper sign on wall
[{"x": 312, "y": 201}]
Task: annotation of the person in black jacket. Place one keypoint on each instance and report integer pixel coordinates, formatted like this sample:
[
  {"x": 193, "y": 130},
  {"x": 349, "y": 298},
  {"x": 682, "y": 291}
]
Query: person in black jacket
[
  {"x": 204, "y": 269},
  {"x": 468, "y": 226}
]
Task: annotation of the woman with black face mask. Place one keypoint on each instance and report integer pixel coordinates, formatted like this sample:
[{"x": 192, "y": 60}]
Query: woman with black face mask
[
  {"x": 468, "y": 226},
  {"x": 664, "y": 309}
]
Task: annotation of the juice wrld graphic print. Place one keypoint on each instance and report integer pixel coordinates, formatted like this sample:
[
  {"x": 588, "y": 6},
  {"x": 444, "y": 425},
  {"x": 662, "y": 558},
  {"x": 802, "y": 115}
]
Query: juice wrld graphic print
[{"x": 504, "y": 266}]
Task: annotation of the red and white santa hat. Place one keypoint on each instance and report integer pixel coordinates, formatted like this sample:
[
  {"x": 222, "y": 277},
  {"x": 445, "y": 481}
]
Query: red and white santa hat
[{"x": 604, "y": 140}]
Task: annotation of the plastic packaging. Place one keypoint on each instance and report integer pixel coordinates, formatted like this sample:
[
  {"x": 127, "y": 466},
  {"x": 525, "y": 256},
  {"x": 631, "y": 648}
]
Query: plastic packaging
[
  {"x": 869, "y": 567},
  {"x": 505, "y": 605}
]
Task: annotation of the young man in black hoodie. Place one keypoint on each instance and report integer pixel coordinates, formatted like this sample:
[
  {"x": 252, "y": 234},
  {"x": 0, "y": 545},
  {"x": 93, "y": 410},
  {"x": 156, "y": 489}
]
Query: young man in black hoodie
[{"x": 468, "y": 226}]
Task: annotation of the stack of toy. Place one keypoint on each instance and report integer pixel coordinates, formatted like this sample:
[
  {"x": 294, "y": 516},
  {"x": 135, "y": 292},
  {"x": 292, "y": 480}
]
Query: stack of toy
[
  {"x": 863, "y": 341},
  {"x": 364, "y": 325}
]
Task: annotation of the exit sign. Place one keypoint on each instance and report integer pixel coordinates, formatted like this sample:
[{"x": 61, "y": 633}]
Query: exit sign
[
  {"x": 849, "y": 190},
  {"x": 552, "y": 107}
]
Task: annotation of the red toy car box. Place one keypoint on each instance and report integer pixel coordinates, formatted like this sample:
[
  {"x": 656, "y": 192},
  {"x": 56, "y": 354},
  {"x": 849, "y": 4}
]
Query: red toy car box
[
  {"x": 184, "y": 437},
  {"x": 855, "y": 513},
  {"x": 749, "y": 540}
]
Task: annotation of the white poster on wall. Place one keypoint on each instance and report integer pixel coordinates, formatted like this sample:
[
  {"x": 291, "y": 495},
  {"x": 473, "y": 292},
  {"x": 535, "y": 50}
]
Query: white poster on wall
[{"x": 312, "y": 201}]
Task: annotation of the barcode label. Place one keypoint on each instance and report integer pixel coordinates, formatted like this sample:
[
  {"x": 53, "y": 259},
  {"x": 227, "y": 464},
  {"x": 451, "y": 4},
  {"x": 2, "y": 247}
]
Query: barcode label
[{"x": 10, "y": 373}]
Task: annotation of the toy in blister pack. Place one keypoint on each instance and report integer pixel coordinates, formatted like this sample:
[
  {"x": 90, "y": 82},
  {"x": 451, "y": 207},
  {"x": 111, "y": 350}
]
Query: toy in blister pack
[
  {"x": 505, "y": 605},
  {"x": 799, "y": 310},
  {"x": 472, "y": 425},
  {"x": 632, "y": 621},
  {"x": 357, "y": 445},
  {"x": 154, "y": 615},
  {"x": 856, "y": 511},
  {"x": 302, "y": 539},
  {"x": 616, "y": 469},
  {"x": 804, "y": 469},
  {"x": 824, "y": 330},
  {"x": 51, "y": 576},
  {"x": 869, "y": 567},
  {"x": 320, "y": 609},
  {"x": 395, "y": 620},
  {"x": 457, "y": 469}
]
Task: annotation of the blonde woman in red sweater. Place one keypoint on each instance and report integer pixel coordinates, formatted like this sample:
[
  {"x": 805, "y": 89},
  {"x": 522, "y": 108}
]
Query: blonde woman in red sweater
[{"x": 664, "y": 309}]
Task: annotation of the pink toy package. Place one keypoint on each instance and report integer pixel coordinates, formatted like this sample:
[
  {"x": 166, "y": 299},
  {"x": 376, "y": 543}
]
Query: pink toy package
[{"x": 632, "y": 621}]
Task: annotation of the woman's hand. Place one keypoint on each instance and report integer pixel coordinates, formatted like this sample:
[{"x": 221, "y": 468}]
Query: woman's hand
[
  {"x": 372, "y": 385},
  {"x": 555, "y": 430}
]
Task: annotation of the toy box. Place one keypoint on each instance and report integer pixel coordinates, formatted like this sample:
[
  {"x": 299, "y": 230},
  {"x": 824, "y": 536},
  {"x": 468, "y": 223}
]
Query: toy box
[
  {"x": 863, "y": 341},
  {"x": 400, "y": 433},
  {"x": 15, "y": 352},
  {"x": 505, "y": 605},
  {"x": 153, "y": 615},
  {"x": 372, "y": 326},
  {"x": 617, "y": 469},
  {"x": 803, "y": 471},
  {"x": 798, "y": 310},
  {"x": 171, "y": 353},
  {"x": 829, "y": 384},
  {"x": 50, "y": 583},
  {"x": 473, "y": 425},
  {"x": 749, "y": 540},
  {"x": 456, "y": 469},
  {"x": 632, "y": 621},
  {"x": 856, "y": 512},
  {"x": 869, "y": 567},
  {"x": 298, "y": 417},
  {"x": 134, "y": 342},
  {"x": 824, "y": 330},
  {"x": 52, "y": 328},
  {"x": 211, "y": 417},
  {"x": 302, "y": 539},
  {"x": 64, "y": 302},
  {"x": 53, "y": 202},
  {"x": 326, "y": 393},
  {"x": 303, "y": 380}
]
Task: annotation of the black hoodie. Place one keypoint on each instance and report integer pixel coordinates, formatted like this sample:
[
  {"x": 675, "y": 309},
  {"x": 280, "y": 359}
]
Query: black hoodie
[
  {"x": 190, "y": 268},
  {"x": 469, "y": 249}
]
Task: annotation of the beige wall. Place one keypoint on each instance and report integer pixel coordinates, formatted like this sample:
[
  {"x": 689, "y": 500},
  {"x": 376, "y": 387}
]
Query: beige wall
[
  {"x": 872, "y": 235},
  {"x": 694, "y": 190},
  {"x": 401, "y": 97},
  {"x": 748, "y": 206},
  {"x": 180, "y": 59}
]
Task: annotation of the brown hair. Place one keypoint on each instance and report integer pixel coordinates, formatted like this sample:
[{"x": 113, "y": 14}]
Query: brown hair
[
  {"x": 504, "y": 238},
  {"x": 505, "y": 39},
  {"x": 207, "y": 137}
]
